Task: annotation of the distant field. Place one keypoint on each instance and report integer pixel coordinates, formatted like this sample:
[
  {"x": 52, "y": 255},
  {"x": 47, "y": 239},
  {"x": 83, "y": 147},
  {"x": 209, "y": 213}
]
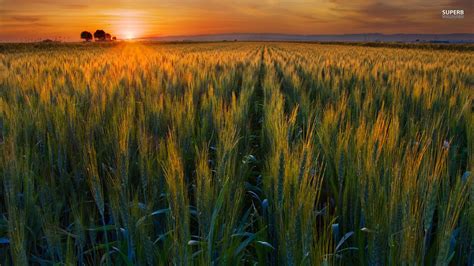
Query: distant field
[{"x": 236, "y": 153}]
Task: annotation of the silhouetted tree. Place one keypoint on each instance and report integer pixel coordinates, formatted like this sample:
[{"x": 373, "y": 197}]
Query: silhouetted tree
[
  {"x": 114, "y": 38},
  {"x": 87, "y": 36},
  {"x": 99, "y": 35},
  {"x": 108, "y": 37}
]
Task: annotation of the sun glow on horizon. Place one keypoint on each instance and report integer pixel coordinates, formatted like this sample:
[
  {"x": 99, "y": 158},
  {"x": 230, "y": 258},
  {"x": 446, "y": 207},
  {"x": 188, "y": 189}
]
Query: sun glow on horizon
[
  {"x": 129, "y": 24},
  {"x": 129, "y": 35}
]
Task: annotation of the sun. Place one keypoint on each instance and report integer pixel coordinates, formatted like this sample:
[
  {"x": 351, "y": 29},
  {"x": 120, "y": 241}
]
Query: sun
[{"x": 129, "y": 35}]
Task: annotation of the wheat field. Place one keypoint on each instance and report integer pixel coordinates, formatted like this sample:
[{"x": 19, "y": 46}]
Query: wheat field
[{"x": 235, "y": 154}]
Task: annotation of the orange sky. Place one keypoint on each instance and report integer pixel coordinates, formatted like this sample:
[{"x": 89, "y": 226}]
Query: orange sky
[{"x": 24, "y": 20}]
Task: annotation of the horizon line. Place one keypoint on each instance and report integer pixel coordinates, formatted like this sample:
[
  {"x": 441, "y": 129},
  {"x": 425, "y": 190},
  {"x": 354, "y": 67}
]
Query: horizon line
[
  {"x": 148, "y": 37},
  {"x": 298, "y": 34}
]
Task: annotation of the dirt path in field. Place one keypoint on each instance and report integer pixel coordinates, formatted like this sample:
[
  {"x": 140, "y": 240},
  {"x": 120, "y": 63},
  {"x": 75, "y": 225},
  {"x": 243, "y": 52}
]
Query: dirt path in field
[
  {"x": 257, "y": 118},
  {"x": 257, "y": 142},
  {"x": 256, "y": 121}
]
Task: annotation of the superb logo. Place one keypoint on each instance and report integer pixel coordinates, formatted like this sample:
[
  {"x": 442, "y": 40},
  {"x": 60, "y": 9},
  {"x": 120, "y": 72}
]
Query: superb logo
[{"x": 452, "y": 13}]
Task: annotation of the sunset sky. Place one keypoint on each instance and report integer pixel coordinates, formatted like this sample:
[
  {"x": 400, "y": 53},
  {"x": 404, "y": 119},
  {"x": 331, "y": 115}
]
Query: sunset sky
[{"x": 23, "y": 20}]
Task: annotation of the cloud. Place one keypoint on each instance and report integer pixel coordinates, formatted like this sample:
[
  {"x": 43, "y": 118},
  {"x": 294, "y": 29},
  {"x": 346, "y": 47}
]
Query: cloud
[
  {"x": 19, "y": 26},
  {"x": 74, "y": 6},
  {"x": 404, "y": 16},
  {"x": 23, "y": 18},
  {"x": 466, "y": 4}
]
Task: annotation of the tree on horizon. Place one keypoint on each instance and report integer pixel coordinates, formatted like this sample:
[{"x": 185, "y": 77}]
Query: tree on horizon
[
  {"x": 87, "y": 36},
  {"x": 99, "y": 35}
]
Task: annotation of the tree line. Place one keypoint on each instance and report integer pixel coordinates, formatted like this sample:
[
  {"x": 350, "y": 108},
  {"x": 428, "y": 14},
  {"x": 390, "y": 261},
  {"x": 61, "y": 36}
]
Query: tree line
[{"x": 99, "y": 36}]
